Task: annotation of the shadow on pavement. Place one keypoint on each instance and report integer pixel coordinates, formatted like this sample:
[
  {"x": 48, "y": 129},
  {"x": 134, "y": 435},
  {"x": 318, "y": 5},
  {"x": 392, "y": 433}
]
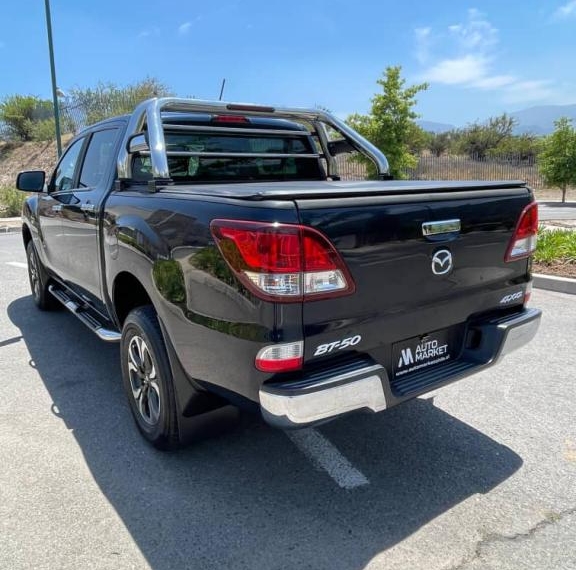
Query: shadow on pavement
[{"x": 250, "y": 499}]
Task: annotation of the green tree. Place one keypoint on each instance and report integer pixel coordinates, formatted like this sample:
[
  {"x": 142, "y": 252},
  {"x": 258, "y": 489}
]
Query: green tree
[
  {"x": 108, "y": 99},
  {"x": 22, "y": 113},
  {"x": 557, "y": 161},
  {"x": 522, "y": 148},
  {"x": 390, "y": 123},
  {"x": 478, "y": 138},
  {"x": 439, "y": 143}
]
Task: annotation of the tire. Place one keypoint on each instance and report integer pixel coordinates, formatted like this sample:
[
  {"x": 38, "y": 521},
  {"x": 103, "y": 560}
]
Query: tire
[
  {"x": 147, "y": 378},
  {"x": 38, "y": 282}
]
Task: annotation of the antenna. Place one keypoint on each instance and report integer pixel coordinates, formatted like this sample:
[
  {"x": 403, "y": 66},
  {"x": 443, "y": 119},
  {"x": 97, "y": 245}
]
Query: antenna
[{"x": 222, "y": 89}]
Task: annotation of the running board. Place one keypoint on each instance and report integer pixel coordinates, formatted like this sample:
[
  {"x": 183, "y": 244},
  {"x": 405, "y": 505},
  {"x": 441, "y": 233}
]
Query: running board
[{"x": 82, "y": 313}]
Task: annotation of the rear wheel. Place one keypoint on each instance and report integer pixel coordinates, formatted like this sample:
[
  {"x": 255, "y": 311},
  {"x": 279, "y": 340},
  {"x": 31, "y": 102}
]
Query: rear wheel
[
  {"x": 38, "y": 283},
  {"x": 148, "y": 380}
]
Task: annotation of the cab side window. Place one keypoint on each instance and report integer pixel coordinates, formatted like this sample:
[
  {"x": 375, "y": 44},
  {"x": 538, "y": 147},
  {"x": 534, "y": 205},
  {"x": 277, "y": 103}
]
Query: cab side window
[
  {"x": 98, "y": 158},
  {"x": 63, "y": 178}
]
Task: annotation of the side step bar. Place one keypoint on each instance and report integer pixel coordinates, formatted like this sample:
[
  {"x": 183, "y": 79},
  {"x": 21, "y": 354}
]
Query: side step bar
[{"x": 82, "y": 313}]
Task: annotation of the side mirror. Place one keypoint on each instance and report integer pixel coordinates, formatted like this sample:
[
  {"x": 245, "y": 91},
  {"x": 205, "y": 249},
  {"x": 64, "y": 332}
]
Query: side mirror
[{"x": 31, "y": 181}]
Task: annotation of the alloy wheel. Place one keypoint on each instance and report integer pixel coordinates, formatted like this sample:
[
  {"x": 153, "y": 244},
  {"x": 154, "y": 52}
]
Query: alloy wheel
[{"x": 144, "y": 380}]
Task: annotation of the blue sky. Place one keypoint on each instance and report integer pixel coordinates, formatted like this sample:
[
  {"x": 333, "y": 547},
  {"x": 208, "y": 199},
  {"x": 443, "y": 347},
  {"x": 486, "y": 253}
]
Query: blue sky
[{"x": 480, "y": 58}]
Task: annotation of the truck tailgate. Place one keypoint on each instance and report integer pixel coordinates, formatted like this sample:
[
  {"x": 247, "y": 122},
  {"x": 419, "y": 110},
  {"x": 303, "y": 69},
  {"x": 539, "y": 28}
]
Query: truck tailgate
[{"x": 404, "y": 297}]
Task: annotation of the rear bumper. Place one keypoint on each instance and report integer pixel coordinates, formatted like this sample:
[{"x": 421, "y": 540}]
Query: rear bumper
[{"x": 364, "y": 384}]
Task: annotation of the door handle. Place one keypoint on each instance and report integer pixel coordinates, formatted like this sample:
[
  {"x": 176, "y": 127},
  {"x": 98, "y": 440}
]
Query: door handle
[
  {"x": 87, "y": 207},
  {"x": 57, "y": 208}
]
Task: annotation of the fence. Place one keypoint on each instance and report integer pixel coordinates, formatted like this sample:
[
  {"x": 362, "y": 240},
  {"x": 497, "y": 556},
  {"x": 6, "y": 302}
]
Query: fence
[
  {"x": 499, "y": 167},
  {"x": 429, "y": 167}
]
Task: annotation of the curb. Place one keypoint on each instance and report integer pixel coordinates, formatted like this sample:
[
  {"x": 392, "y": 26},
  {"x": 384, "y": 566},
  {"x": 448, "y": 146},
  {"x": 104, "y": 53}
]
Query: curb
[
  {"x": 10, "y": 225},
  {"x": 552, "y": 283},
  {"x": 9, "y": 230}
]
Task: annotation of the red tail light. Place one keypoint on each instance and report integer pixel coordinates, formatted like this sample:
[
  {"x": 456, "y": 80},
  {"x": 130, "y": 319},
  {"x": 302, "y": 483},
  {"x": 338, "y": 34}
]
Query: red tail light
[
  {"x": 284, "y": 262},
  {"x": 230, "y": 119},
  {"x": 523, "y": 242},
  {"x": 280, "y": 357}
]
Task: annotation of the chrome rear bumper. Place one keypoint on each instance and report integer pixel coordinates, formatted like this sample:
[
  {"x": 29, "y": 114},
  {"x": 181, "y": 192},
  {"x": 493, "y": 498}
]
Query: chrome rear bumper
[{"x": 365, "y": 384}]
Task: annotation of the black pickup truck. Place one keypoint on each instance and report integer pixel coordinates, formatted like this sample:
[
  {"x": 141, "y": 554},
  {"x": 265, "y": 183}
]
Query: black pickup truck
[{"x": 219, "y": 245}]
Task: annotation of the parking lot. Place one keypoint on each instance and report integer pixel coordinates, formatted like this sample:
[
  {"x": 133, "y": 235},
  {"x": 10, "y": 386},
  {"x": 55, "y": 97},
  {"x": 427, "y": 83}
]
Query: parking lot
[{"x": 475, "y": 476}]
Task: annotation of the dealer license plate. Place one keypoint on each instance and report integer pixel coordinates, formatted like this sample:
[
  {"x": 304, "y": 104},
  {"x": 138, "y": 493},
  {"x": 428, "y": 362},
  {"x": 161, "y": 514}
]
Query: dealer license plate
[{"x": 419, "y": 353}]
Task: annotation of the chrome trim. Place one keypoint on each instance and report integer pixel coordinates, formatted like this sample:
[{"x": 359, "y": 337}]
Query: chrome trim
[
  {"x": 323, "y": 139},
  {"x": 233, "y": 130},
  {"x": 107, "y": 335},
  {"x": 234, "y": 154},
  {"x": 102, "y": 333},
  {"x": 149, "y": 113},
  {"x": 88, "y": 207},
  {"x": 440, "y": 227},
  {"x": 442, "y": 262},
  {"x": 520, "y": 332},
  {"x": 361, "y": 389}
]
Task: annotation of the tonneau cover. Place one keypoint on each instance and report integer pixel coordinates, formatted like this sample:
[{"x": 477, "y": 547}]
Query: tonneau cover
[{"x": 331, "y": 189}]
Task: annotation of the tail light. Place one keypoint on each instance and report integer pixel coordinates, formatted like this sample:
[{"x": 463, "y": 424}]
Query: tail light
[
  {"x": 282, "y": 262},
  {"x": 230, "y": 119},
  {"x": 280, "y": 357},
  {"x": 523, "y": 242}
]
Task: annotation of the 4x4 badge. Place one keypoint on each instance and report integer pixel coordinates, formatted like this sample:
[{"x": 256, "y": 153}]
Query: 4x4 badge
[{"x": 442, "y": 262}]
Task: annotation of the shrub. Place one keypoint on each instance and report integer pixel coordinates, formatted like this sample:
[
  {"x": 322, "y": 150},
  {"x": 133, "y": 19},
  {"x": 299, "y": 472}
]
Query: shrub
[
  {"x": 556, "y": 246},
  {"x": 11, "y": 202}
]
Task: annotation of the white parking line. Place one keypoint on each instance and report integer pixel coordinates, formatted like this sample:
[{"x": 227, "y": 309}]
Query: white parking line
[
  {"x": 17, "y": 264},
  {"x": 326, "y": 456}
]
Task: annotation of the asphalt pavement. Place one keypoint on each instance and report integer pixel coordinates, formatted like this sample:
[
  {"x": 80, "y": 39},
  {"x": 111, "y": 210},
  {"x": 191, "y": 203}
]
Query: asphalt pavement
[
  {"x": 556, "y": 211},
  {"x": 478, "y": 475}
]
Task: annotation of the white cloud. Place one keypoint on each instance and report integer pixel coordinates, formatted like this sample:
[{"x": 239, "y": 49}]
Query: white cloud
[
  {"x": 149, "y": 33},
  {"x": 566, "y": 10},
  {"x": 470, "y": 59},
  {"x": 466, "y": 69},
  {"x": 184, "y": 28},
  {"x": 422, "y": 44},
  {"x": 476, "y": 33}
]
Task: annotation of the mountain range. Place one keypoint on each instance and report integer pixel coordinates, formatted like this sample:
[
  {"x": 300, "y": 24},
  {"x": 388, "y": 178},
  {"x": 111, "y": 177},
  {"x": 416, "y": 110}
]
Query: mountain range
[{"x": 534, "y": 120}]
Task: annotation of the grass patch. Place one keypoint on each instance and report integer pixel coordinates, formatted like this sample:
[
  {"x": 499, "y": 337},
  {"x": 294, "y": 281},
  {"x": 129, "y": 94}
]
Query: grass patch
[
  {"x": 11, "y": 201},
  {"x": 556, "y": 246}
]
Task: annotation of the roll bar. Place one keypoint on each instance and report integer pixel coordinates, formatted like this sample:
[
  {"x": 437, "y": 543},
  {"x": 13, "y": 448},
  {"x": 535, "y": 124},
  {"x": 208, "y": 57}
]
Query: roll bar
[{"x": 149, "y": 114}]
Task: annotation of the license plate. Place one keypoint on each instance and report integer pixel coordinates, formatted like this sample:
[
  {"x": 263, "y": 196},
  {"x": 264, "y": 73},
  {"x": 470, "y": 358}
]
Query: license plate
[{"x": 419, "y": 353}]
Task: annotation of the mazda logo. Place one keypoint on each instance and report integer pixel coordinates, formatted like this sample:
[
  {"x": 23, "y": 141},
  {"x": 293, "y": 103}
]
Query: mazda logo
[{"x": 442, "y": 262}]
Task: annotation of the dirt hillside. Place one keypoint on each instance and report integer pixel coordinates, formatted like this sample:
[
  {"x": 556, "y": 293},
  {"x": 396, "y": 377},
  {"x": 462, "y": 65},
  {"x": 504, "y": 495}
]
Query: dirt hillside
[{"x": 15, "y": 157}]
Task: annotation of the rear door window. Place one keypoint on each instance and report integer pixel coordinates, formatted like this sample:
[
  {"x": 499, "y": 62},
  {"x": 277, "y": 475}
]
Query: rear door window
[{"x": 98, "y": 158}]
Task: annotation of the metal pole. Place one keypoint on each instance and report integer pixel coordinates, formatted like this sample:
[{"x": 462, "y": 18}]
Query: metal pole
[
  {"x": 53, "y": 73},
  {"x": 222, "y": 89}
]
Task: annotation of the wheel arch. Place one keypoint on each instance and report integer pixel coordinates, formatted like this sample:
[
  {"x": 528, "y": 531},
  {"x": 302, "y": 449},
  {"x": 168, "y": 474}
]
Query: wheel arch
[
  {"x": 128, "y": 293},
  {"x": 26, "y": 235}
]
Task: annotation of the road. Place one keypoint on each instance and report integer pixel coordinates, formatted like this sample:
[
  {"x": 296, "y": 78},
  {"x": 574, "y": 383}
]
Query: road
[
  {"x": 476, "y": 476},
  {"x": 556, "y": 211}
]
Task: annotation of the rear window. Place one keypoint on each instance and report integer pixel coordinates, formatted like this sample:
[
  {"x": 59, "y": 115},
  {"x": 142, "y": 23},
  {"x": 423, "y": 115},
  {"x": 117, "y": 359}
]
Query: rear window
[{"x": 236, "y": 167}]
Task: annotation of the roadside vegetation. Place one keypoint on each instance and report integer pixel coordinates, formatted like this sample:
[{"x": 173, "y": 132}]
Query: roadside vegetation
[
  {"x": 556, "y": 246},
  {"x": 556, "y": 253},
  {"x": 11, "y": 201}
]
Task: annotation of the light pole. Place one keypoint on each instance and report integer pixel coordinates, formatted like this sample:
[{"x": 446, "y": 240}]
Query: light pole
[{"x": 53, "y": 73}]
